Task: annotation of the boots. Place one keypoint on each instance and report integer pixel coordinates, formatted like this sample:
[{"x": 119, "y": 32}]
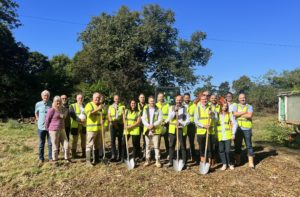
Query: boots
[
  {"x": 237, "y": 159},
  {"x": 251, "y": 162},
  {"x": 83, "y": 153},
  {"x": 73, "y": 152},
  {"x": 88, "y": 158},
  {"x": 95, "y": 156}
]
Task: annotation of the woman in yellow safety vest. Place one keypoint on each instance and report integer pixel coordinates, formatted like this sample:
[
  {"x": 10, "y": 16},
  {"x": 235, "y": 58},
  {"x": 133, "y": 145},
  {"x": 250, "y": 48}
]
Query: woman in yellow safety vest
[
  {"x": 226, "y": 127},
  {"x": 132, "y": 121}
]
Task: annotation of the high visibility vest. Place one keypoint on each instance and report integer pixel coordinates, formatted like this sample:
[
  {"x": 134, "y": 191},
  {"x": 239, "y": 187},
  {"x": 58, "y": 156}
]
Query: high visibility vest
[
  {"x": 76, "y": 108},
  {"x": 155, "y": 118},
  {"x": 203, "y": 118},
  {"x": 191, "y": 110},
  {"x": 93, "y": 121},
  {"x": 113, "y": 112},
  {"x": 140, "y": 108},
  {"x": 243, "y": 122},
  {"x": 130, "y": 119},
  {"x": 227, "y": 135},
  {"x": 164, "y": 107},
  {"x": 172, "y": 124},
  {"x": 216, "y": 108},
  {"x": 105, "y": 115}
]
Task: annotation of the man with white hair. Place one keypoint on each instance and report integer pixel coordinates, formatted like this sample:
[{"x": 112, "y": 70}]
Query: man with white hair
[{"x": 41, "y": 109}]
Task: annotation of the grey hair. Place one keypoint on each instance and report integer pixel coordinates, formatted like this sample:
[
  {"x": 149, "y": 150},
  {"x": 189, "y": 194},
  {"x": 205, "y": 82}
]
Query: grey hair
[
  {"x": 45, "y": 92},
  {"x": 56, "y": 98}
]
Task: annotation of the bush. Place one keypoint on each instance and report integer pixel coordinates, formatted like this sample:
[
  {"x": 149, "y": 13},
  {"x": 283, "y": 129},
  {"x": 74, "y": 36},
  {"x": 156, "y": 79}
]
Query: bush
[
  {"x": 278, "y": 133},
  {"x": 13, "y": 124}
]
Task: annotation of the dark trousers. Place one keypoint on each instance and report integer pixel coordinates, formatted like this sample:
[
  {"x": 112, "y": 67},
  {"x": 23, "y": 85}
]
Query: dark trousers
[
  {"x": 142, "y": 136},
  {"x": 239, "y": 136},
  {"x": 191, "y": 131},
  {"x": 182, "y": 147},
  {"x": 224, "y": 151},
  {"x": 135, "y": 143},
  {"x": 166, "y": 137},
  {"x": 201, "y": 139},
  {"x": 116, "y": 132},
  {"x": 43, "y": 134},
  {"x": 68, "y": 129}
]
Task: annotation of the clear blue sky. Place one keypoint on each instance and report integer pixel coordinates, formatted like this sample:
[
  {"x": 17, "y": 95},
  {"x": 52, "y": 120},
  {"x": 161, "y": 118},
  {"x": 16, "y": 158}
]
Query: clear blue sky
[{"x": 246, "y": 37}]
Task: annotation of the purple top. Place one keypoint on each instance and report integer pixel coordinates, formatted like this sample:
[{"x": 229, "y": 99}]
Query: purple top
[{"x": 54, "y": 120}]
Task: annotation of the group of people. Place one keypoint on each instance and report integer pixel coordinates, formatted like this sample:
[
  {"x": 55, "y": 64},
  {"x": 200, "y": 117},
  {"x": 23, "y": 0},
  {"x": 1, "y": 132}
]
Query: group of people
[{"x": 223, "y": 120}]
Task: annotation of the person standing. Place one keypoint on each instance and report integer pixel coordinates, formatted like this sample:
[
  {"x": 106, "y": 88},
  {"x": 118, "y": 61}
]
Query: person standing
[
  {"x": 178, "y": 117},
  {"x": 78, "y": 122},
  {"x": 115, "y": 112},
  {"x": 152, "y": 118},
  {"x": 65, "y": 106},
  {"x": 41, "y": 109},
  {"x": 226, "y": 129},
  {"x": 141, "y": 105},
  {"x": 93, "y": 127},
  {"x": 204, "y": 118},
  {"x": 191, "y": 128},
  {"x": 55, "y": 124},
  {"x": 243, "y": 114},
  {"x": 164, "y": 107},
  {"x": 132, "y": 127}
]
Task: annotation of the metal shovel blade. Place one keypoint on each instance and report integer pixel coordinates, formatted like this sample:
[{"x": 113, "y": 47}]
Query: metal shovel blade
[
  {"x": 130, "y": 163},
  {"x": 204, "y": 168},
  {"x": 178, "y": 165}
]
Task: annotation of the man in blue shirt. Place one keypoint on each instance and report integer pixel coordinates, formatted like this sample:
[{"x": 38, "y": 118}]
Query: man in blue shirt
[{"x": 41, "y": 109}]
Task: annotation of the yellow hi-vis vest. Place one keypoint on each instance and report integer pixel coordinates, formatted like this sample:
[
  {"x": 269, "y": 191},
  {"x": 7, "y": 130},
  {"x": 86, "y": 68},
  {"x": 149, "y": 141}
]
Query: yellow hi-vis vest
[
  {"x": 243, "y": 122},
  {"x": 203, "y": 118},
  {"x": 155, "y": 118},
  {"x": 76, "y": 108},
  {"x": 172, "y": 124},
  {"x": 130, "y": 119},
  {"x": 191, "y": 110},
  {"x": 216, "y": 108},
  {"x": 227, "y": 135},
  {"x": 93, "y": 122},
  {"x": 105, "y": 115},
  {"x": 164, "y": 107},
  {"x": 113, "y": 112},
  {"x": 140, "y": 108}
]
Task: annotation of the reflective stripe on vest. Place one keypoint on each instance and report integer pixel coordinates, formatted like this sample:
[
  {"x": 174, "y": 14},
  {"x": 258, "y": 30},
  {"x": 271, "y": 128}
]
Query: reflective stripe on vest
[
  {"x": 76, "y": 109},
  {"x": 131, "y": 118},
  {"x": 172, "y": 124},
  {"x": 243, "y": 122},
  {"x": 203, "y": 118},
  {"x": 113, "y": 114},
  {"x": 191, "y": 110},
  {"x": 93, "y": 122},
  {"x": 227, "y": 135},
  {"x": 164, "y": 109},
  {"x": 154, "y": 119}
]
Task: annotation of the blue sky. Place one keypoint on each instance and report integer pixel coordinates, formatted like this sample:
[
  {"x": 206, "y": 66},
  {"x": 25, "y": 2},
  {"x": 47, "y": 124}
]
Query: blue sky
[{"x": 246, "y": 37}]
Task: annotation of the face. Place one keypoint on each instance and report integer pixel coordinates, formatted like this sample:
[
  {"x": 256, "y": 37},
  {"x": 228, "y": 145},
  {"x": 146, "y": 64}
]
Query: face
[
  {"x": 207, "y": 94},
  {"x": 79, "y": 98},
  {"x": 142, "y": 98},
  {"x": 224, "y": 107},
  {"x": 178, "y": 100},
  {"x": 151, "y": 102},
  {"x": 213, "y": 99},
  {"x": 116, "y": 99},
  {"x": 45, "y": 97},
  {"x": 57, "y": 103},
  {"x": 203, "y": 100},
  {"x": 229, "y": 98},
  {"x": 242, "y": 99},
  {"x": 186, "y": 99},
  {"x": 160, "y": 98},
  {"x": 132, "y": 104},
  {"x": 96, "y": 99},
  {"x": 64, "y": 99}
]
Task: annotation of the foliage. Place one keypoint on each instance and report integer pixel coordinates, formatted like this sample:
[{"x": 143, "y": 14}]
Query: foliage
[
  {"x": 8, "y": 14},
  {"x": 242, "y": 85},
  {"x": 224, "y": 87},
  {"x": 207, "y": 86}
]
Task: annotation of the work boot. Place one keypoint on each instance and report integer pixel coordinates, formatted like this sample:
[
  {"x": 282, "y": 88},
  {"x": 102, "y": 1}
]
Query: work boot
[
  {"x": 83, "y": 153},
  {"x": 88, "y": 158},
  {"x": 169, "y": 164},
  {"x": 113, "y": 158},
  {"x": 73, "y": 152},
  {"x": 147, "y": 163},
  {"x": 95, "y": 156},
  {"x": 251, "y": 162},
  {"x": 158, "y": 164},
  {"x": 237, "y": 159},
  {"x": 223, "y": 167}
]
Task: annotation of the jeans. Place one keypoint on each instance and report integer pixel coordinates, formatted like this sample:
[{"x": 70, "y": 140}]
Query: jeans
[
  {"x": 191, "y": 131},
  {"x": 43, "y": 134},
  {"x": 246, "y": 135},
  {"x": 116, "y": 132},
  {"x": 182, "y": 146},
  {"x": 224, "y": 150}
]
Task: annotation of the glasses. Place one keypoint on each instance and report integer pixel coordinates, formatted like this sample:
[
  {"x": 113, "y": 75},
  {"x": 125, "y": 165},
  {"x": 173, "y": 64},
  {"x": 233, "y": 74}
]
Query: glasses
[{"x": 63, "y": 98}]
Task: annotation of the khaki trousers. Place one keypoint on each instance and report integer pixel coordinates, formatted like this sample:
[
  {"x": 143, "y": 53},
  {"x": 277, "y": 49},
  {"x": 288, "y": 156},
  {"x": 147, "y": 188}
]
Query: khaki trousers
[
  {"x": 93, "y": 141},
  {"x": 58, "y": 137},
  {"x": 155, "y": 139}
]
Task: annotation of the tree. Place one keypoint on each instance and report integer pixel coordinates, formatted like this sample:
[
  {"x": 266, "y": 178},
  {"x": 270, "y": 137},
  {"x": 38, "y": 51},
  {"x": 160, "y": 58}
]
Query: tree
[
  {"x": 128, "y": 50},
  {"x": 8, "y": 14},
  {"x": 287, "y": 80},
  {"x": 207, "y": 86},
  {"x": 242, "y": 85},
  {"x": 223, "y": 88}
]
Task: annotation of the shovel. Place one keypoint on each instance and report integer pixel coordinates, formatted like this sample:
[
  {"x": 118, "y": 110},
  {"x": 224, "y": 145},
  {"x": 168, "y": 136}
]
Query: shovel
[
  {"x": 129, "y": 162},
  {"x": 204, "y": 166},
  {"x": 105, "y": 160},
  {"x": 177, "y": 164}
]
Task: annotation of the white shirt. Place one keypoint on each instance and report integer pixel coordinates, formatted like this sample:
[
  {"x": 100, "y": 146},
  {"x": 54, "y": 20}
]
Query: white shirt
[
  {"x": 196, "y": 116},
  {"x": 182, "y": 111},
  {"x": 151, "y": 114}
]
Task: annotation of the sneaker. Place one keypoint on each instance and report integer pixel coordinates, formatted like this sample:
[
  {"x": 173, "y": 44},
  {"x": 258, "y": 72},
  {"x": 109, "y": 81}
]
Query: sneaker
[
  {"x": 224, "y": 167},
  {"x": 158, "y": 164},
  {"x": 147, "y": 163},
  {"x": 231, "y": 167}
]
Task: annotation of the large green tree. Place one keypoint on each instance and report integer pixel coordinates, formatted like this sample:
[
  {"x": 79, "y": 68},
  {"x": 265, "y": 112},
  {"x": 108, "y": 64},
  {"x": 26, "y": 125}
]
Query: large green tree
[
  {"x": 131, "y": 50},
  {"x": 242, "y": 85},
  {"x": 8, "y": 14}
]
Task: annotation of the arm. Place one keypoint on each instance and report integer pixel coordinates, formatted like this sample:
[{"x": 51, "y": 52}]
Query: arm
[
  {"x": 171, "y": 115},
  {"x": 159, "y": 119},
  {"x": 73, "y": 114},
  {"x": 48, "y": 119},
  {"x": 145, "y": 123},
  {"x": 196, "y": 119},
  {"x": 233, "y": 125},
  {"x": 137, "y": 123},
  {"x": 186, "y": 122},
  {"x": 36, "y": 112}
]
